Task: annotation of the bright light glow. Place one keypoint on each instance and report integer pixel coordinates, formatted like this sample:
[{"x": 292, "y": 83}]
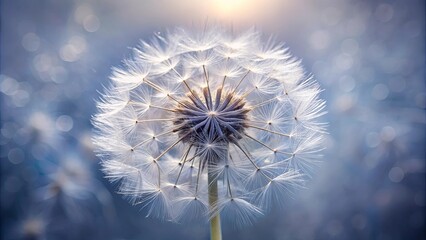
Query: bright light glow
[
  {"x": 241, "y": 14},
  {"x": 228, "y": 6},
  {"x": 233, "y": 8}
]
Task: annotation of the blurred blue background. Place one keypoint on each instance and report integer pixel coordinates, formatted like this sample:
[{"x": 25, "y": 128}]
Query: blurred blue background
[{"x": 369, "y": 57}]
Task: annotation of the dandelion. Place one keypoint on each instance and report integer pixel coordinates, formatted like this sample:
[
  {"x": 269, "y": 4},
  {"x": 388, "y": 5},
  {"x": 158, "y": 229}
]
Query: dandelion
[
  {"x": 198, "y": 125},
  {"x": 33, "y": 227},
  {"x": 69, "y": 190}
]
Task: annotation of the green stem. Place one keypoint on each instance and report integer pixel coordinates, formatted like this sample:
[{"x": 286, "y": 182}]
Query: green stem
[{"x": 215, "y": 230}]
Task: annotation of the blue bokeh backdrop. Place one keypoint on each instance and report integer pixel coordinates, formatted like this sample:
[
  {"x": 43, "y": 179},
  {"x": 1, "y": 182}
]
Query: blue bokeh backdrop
[{"x": 368, "y": 56}]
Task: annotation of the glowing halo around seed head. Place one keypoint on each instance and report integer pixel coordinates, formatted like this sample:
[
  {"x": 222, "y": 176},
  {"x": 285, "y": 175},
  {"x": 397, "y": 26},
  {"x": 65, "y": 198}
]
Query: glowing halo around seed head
[{"x": 189, "y": 104}]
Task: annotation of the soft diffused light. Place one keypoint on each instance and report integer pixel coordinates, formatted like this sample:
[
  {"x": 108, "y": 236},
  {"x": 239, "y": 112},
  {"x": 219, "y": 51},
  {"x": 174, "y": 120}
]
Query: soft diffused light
[{"x": 231, "y": 6}]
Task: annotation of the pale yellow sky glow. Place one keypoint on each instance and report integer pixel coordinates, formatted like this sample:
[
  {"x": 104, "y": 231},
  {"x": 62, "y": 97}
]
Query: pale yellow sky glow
[
  {"x": 239, "y": 13},
  {"x": 232, "y": 8}
]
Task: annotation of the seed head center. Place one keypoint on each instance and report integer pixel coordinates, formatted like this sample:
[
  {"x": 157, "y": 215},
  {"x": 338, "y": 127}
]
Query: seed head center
[{"x": 220, "y": 117}]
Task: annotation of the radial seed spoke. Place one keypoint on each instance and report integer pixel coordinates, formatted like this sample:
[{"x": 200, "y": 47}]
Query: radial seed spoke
[
  {"x": 159, "y": 173},
  {"x": 198, "y": 177},
  {"x": 208, "y": 84},
  {"x": 192, "y": 158},
  {"x": 261, "y": 143},
  {"x": 251, "y": 160},
  {"x": 229, "y": 185},
  {"x": 225, "y": 103},
  {"x": 256, "y": 121},
  {"x": 162, "y": 108},
  {"x": 266, "y": 146},
  {"x": 160, "y": 89},
  {"x": 170, "y": 148},
  {"x": 200, "y": 124},
  {"x": 217, "y": 100},
  {"x": 197, "y": 101},
  {"x": 248, "y": 92},
  {"x": 184, "y": 157},
  {"x": 153, "y": 137},
  {"x": 223, "y": 81},
  {"x": 233, "y": 106},
  {"x": 179, "y": 75},
  {"x": 153, "y": 85},
  {"x": 208, "y": 98},
  {"x": 270, "y": 131},
  {"x": 245, "y": 75},
  {"x": 224, "y": 77},
  {"x": 230, "y": 119},
  {"x": 263, "y": 103},
  {"x": 155, "y": 120}
]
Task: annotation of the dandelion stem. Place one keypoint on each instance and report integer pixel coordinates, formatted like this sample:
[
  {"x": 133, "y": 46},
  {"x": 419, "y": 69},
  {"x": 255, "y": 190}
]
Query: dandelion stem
[{"x": 215, "y": 229}]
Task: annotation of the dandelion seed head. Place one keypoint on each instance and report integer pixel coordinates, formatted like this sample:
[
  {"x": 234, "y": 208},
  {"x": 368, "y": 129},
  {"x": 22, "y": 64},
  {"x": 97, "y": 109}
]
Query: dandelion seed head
[{"x": 189, "y": 107}]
